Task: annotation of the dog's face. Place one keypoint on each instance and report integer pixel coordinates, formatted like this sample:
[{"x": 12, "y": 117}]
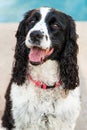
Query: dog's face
[{"x": 45, "y": 34}]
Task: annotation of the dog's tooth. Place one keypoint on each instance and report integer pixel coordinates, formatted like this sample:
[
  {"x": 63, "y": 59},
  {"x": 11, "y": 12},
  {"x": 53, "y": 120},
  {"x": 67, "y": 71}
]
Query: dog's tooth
[{"x": 47, "y": 50}]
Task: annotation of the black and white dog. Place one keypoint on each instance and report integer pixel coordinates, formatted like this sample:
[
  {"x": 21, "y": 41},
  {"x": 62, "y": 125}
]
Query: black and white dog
[{"x": 43, "y": 93}]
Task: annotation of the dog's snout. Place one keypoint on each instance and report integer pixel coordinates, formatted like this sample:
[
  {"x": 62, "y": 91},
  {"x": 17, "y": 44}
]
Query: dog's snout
[{"x": 36, "y": 36}]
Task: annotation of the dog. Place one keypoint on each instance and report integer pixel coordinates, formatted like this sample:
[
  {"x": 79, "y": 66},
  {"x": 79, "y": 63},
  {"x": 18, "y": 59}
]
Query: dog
[{"x": 43, "y": 92}]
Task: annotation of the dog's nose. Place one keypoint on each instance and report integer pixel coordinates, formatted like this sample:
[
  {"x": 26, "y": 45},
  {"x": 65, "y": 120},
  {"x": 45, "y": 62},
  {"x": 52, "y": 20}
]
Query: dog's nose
[{"x": 36, "y": 36}]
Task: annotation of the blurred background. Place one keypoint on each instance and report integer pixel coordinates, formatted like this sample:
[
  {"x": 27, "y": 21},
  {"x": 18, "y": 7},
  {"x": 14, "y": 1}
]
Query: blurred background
[{"x": 13, "y": 10}]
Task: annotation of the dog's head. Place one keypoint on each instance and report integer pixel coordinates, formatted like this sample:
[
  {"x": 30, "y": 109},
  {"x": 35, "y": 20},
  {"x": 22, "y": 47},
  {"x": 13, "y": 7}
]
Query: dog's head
[{"x": 44, "y": 34}]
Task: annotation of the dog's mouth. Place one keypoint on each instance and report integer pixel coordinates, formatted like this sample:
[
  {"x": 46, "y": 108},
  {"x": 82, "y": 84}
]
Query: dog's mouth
[{"x": 38, "y": 55}]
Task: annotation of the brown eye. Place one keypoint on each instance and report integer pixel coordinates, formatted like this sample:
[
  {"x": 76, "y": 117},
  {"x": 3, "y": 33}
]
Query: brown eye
[
  {"x": 32, "y": 22},
  {"x": 55, "y": 26}
]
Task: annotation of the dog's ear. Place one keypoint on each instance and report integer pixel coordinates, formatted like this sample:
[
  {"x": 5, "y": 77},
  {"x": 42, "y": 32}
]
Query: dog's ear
[
  {"x": 21, "y": 32},
  {"x": 21, "y": 53},
  {"x": 68, "y": 59}
]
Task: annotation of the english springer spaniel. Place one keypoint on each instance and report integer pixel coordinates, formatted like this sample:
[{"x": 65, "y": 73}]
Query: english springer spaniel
[{"x": 43, "y": 92}]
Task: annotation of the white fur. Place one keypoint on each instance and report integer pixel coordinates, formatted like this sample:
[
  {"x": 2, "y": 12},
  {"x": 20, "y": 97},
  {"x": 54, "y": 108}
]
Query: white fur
[
  {"x": 41, "y": 26},
  {"x": 30, "y": 104},
  {"x": 48, "y": 72}
]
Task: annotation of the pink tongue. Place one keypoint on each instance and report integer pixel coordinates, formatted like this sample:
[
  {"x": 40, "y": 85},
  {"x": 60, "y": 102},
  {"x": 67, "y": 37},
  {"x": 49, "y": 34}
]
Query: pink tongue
[{"x": 36, "y": 54}]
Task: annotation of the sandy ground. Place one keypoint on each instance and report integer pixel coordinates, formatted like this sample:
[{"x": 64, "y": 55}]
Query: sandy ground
[{"x": 7, "y": 45}]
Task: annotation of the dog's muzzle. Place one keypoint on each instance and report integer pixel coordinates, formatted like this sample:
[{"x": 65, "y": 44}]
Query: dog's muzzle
[
  {"x": 36, "y": 37},
  {"x": 38, "y": 54}
]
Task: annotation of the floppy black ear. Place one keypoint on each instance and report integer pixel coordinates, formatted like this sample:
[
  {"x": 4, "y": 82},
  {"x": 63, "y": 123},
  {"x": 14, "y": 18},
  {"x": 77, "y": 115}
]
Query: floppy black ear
[
  {"x": 68, "y": 59},
  {"x": 21, "y": 53}
]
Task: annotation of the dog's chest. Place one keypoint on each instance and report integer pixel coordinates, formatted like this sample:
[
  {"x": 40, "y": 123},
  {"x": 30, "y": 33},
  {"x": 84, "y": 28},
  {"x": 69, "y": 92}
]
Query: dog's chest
[
  {"x": 32, "y": 105},
  {"x": 35, "y": 108}
]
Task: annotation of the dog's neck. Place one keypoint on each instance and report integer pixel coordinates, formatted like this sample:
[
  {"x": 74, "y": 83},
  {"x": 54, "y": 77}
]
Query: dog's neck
[{"x": 48, "y": 72}]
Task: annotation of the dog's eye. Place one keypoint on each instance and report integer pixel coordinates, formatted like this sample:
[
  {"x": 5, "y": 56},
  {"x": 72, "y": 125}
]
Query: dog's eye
[
  {"x": 55, "y": 26},
  {"x": 32, "y": 21}
]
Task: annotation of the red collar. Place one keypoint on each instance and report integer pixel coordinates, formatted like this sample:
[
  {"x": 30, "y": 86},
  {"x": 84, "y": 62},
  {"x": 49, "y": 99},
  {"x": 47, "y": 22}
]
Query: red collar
[{"x": 41, "y": 84}]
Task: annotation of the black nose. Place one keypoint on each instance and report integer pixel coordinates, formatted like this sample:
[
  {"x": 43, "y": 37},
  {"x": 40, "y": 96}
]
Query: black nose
[{"x": 36, "y": 36}]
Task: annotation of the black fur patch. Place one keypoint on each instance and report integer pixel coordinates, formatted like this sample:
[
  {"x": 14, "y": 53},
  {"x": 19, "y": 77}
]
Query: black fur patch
[{"x": 7, "y": 119}]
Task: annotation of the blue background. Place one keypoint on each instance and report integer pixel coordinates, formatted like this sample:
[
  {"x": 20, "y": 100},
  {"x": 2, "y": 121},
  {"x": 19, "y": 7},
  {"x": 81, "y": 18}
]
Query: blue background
[{"x": 13, "y": 10}]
